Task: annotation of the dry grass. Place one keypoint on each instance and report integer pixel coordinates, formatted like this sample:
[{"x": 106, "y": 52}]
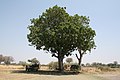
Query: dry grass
[
  {"x": 99, "y": 69},
  {"x": 90, "y": 70},
  {"x": 16, "y": 72},
  {"x": 9, "y": 67}
]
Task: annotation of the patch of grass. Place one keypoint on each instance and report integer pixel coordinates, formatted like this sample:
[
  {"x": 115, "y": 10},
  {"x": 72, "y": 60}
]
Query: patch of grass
[{"x": 105, "y": 69}]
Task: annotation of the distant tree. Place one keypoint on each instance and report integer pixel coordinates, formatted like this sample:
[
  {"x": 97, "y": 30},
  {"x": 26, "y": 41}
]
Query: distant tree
[
  {"x": 115, "y": 63},
  {"x": 97, "y": 64},
  {"x": 82, "y": 64},
  {"x": 88, "y": 64},
  {"x": 69, "y": 60},
  {"x": 111, "y": 65},
  {"x": 8, "y": 59},
  {"x": 53, "y": 65},
  {"x": 1, "y": 58},
  {"x": 23, "y": 63}
]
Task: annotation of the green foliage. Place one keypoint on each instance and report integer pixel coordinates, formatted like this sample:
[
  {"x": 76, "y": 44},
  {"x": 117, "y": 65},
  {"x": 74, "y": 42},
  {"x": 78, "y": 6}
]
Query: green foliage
[
  {"x": 110, "y": 65},
  {"x": 95, "y": 64},
  {"x": 113, "y": 65},
  {"x": 47, "y": 30},
  {"x": 75, "y": 67},
  {"x": 88, "y": 65},
  {"x": 51, "y": 31},
  {"x": 84, "y": 41}
]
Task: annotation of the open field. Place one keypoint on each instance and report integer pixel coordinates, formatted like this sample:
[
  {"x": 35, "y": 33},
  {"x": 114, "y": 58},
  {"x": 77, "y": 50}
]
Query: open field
[{"x": 19, "y": 73}]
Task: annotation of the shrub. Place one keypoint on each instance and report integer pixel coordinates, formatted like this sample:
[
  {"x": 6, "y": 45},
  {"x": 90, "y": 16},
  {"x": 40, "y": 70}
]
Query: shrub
[
  {"x": 23, "y": 63},
  {"x": 53, "y": 65},
  {"x": 75, "y": 67}
]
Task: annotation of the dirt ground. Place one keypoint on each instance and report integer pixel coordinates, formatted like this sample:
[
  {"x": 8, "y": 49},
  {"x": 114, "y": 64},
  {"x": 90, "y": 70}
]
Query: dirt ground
[
  {"x": 18, "y": 73},
  {"x": 110, "y": 75}
]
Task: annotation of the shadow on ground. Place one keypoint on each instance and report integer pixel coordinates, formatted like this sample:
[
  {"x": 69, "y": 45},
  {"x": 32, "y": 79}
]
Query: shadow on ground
[{"x": 46, "y": 72}]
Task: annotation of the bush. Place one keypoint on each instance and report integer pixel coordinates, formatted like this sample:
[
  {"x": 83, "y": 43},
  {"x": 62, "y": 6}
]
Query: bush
[
  {"x": 75, "y": 67},
  {"x": 23, "y": 63},
  {"x": 53, "y": 65}
]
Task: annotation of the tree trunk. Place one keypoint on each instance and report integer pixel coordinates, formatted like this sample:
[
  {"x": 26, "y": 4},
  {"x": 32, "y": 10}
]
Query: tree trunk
[
  {"x": 60, "y": 62},
  {"x": 79, "y": 59}
]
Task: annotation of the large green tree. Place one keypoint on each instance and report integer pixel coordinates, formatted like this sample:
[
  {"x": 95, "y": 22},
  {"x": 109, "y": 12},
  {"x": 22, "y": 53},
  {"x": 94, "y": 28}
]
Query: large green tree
[
  {"x": 52, "y": 32},
  {"x": 59, "y": 33}
]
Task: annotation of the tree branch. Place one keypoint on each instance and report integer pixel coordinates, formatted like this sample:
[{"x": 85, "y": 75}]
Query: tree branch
[
  {"x": 77, "y": 56},
  {"x": 53, "y": 55}
]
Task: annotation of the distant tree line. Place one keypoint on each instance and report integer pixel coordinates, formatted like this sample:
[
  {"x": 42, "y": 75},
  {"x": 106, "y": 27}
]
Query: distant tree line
[
  {"x": 97, "y": 64},
  {"x": 6, "y": 59}
]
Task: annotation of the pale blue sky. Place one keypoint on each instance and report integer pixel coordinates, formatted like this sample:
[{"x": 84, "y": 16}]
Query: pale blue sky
[{"x": 15, "y": 17}]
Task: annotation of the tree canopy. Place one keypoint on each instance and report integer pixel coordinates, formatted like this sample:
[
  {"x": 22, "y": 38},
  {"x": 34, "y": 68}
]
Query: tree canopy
[{"x": 85, "y": 37}]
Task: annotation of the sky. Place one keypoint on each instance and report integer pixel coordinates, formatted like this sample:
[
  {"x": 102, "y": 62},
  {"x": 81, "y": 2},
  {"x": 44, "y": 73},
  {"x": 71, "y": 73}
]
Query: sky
[{"x": 104, "y": 17}]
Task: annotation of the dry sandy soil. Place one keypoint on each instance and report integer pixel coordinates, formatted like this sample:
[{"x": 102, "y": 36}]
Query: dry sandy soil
[{"x": 18, "y": 73}]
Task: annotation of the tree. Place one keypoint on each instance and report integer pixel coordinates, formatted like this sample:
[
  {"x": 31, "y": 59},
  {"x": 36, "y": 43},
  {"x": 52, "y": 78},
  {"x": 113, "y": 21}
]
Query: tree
[
  {"x": 88, "y": 64},
  {"x": 69, "y": 60},
  {"x": 1, "y": 58},
  {"x": 84, "y": 39},
  {"x": 8, "y": 59},
  {"x": 23, "y": 63},
  {"x": 51, "y": 32},
  {"x": 53, "y": 65},
  {"x": 96, "y": 64},
  {"x": 60, "y": 34},
  {"x": 115, "y": 63}
]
